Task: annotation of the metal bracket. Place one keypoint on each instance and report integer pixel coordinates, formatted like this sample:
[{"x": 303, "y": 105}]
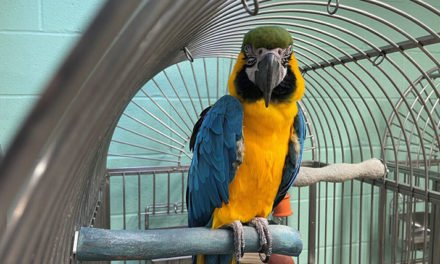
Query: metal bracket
[
  {"x": 188, "y": 54},
  {"x": 332, "y": 12},
  {"x": 246, "y": 7}
]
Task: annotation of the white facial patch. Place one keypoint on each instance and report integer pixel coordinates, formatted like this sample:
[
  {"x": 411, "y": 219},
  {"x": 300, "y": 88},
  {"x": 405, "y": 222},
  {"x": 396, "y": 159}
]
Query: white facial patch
[{"x": 259, "y": 54}]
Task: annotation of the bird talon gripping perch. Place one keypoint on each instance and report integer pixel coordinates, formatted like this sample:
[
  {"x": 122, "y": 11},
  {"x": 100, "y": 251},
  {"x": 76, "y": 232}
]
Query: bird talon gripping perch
[
  {"x": 239, "y": 243},
  {"x": 223, "y": 184},
  {"x": 261, "y": 225}
]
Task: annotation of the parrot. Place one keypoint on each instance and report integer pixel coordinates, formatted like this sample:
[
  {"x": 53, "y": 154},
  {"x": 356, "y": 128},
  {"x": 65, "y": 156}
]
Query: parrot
[{"x": 247, "y": 147}]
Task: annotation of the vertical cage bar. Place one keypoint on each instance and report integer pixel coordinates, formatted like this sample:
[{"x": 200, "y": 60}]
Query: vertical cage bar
[
  {"x": 218, "y": 79},
  {"x": 334, "y": 224},
  {"x": 382, "y": 224},
  {"x": 370, "y": 253},
  {"x": 297, "y": 214},
  {"x": 341, "y": 240},
  {"x": 425, "y": 226},
  {"x": 411, "y": 243},
  {"x": 361, "y": 195},
  {"x": 435, "y": 228},
  {"x": 107, "y": 204},
  {"x": 402, "y": 228},
  {"x": 326, "y": 221},
  {"x": 139, "y": 199},
  {"x": 123, "y": 205},
  {"x": 154, "y": 193},
  {"x": 230, "y": 70},
  {"x": 312, "y": 223},
  {"x": 350, "y": 254},
  {"x": 206, "y": 81},
  {"x": 183, "y": 192},
  {"x": 197, "y": 86},
  {"x": 318, "y": 224},
  {"x": 123, "y": 201},
  {"x": 409, "y": 235},
  {"x": 168, "y": 192},
  {"x": 394, "y": 227}
]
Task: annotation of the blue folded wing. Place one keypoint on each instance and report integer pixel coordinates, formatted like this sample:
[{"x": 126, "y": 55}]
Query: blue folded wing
[
  {"x": 212, "y": 169},
  {"x": 294, "y": 157}
]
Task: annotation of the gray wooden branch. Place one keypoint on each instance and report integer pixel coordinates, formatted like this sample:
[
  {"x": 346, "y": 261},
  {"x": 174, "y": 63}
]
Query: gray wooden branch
[
  {"x": 102, "y": 244},
  {"x": 369, "y": 169}
]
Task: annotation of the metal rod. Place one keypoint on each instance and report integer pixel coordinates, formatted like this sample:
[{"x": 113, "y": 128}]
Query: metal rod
[
  {"x": 152, "y": 139},
  {"x": 178, "y": 96},
  {"x": 435, "y": 229},
  {"x": 168, "y": 192},
  {"x": 341, "y": 226},
  {"x": 312, "y": 224},
  {"x": 318, "y": 224},
  {"x": 350, "y": 243},
  {"x": 197, "y": 87},
  {"x": 146, "y": 170},
  {"x": 370, "y": 252},
  {"x": 183, "y": 192},
  {"x": 361, "y": 197},
  {"x": 124, "y": 212},
  {"x": 206, "y": 81},
  {"x": 185, "y": 84},
  {"x": 139, "y": 199},
  {"x": 334, "y": 225},
  {"x": 154, "y": 193},
  {"x": 217, "y": 79},
  {"x": 171, "y": 104},
  {"x": 388, "y": 49},
  {"x": 381, "y": 225},
  {"x": 143, "y": 147},
  {"x": 298, "y": 214},
  {"x": 185, "y": 131},
  {"x": 326, "y": 221},
  {"x": 158, "y": 120},
  {"x": 133, "y": 156}
]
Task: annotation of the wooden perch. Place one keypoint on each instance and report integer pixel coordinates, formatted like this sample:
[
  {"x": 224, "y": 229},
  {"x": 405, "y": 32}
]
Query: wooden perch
[
  {"x": 102, "y": 244},
  {"x": 369, "y": 169}
]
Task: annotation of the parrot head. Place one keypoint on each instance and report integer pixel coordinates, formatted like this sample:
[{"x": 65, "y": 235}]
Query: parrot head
[{"x": 266, "y": 68}]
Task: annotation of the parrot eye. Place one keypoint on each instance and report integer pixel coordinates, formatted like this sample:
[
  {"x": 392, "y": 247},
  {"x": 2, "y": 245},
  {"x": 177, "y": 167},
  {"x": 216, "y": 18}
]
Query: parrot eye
[
  {"x": 286, "y": 56},
  {"x": 251, "y": 59}
]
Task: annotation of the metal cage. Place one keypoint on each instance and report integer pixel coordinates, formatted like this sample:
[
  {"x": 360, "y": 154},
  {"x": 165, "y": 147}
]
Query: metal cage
[{"x": 116, "y": 119}]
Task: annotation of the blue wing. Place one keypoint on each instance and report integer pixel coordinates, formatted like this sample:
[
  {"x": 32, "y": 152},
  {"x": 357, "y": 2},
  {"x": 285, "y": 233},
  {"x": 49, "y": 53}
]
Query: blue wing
[
  {"x": 294, "y": 157},
  {"x": 212, "y": 169}
]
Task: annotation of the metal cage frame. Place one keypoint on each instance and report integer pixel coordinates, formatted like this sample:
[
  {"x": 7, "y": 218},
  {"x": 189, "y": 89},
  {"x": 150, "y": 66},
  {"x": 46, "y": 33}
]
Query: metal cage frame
[{"x": 53, "y": 177}]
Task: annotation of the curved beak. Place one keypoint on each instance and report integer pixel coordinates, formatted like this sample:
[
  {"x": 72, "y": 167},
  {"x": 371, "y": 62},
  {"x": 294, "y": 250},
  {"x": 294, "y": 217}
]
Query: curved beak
[{"x": 268, "y": 75}]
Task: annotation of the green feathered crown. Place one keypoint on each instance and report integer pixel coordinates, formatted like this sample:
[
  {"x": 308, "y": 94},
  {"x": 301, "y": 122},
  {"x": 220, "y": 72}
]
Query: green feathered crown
[{"x": 269, "y": 37}]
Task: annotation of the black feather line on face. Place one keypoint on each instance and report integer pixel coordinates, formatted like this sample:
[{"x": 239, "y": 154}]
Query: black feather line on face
[{"x": 251, "y": 93}]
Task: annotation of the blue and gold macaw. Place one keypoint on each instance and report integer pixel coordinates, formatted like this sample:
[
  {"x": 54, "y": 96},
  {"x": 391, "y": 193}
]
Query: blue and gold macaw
[{"x": 248, "y": 145}]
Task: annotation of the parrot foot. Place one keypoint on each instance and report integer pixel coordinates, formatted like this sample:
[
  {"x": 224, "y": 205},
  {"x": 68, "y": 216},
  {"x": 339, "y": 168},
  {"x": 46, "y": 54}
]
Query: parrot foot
[
  {"x": 262, "y": 226},
  {"x": 237, "y": 227}
]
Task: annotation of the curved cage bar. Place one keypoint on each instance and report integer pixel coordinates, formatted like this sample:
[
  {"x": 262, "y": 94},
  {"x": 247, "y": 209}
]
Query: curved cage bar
[{"x": 127, "y": 97}]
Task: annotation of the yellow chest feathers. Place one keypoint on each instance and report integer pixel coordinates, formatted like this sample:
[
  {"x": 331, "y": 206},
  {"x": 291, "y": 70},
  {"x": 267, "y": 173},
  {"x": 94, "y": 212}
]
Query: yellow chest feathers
[
  {"x": 266, "y": 133},
  {"x": 267, "y": 123}
]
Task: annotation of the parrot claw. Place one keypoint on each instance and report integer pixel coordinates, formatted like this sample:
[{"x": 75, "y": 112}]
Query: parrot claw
[
  {"x": 261, "y": 225},
  {"x": 239, "y": 244}
]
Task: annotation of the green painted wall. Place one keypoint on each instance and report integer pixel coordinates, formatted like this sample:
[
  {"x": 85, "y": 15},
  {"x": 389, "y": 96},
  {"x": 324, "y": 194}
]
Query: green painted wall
[{"x": 35, "y": 36}]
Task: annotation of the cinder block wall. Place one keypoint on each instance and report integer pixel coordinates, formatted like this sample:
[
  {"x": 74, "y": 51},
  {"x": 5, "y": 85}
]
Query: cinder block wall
[{"x": 35, "y": 36}]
